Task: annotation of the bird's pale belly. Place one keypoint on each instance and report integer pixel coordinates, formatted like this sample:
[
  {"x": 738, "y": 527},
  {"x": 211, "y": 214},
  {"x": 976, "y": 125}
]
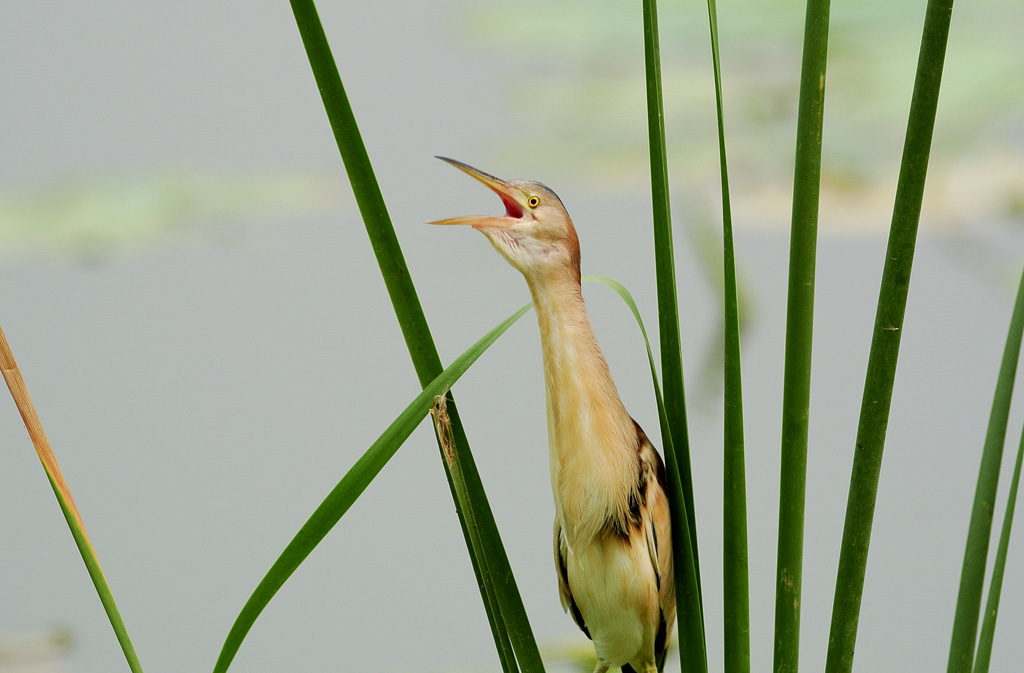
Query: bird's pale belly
[{"x": 614, "y": 586}]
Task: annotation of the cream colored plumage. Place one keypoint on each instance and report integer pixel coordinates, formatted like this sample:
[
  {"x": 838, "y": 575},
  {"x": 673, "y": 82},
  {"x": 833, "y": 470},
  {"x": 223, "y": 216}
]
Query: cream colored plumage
[{"x": 613, "y": 550}]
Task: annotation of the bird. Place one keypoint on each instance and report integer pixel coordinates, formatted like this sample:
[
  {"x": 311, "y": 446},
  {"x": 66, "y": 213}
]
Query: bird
[{"x": 612, "y": 532}]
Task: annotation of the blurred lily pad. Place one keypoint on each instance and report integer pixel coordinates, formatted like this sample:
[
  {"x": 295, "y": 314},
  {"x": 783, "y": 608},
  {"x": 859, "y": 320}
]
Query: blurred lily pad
[
  {"x": 90, "y": 218},
  {"x": 575, "y": 88}
]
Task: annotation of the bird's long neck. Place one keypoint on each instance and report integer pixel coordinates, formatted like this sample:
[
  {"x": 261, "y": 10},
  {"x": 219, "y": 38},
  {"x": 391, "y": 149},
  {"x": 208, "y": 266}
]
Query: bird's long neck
[{"x": 592, "y": 438}]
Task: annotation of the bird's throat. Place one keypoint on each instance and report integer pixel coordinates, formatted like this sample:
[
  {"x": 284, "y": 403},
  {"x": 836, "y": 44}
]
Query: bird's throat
[{"x": 591, "y": 436}]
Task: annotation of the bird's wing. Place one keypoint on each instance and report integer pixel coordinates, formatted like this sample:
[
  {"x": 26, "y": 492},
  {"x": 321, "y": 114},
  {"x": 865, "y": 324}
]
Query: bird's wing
[
  {"x": 564, "y": 592},
  {"x": 658, "y": 532}
]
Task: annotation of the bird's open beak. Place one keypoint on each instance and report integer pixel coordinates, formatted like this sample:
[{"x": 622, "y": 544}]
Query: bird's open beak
[{"x": 505, "y": 190}]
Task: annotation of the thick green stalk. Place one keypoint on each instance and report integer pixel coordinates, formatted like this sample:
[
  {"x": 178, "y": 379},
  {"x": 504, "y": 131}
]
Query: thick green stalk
[
  {"x": 494, "y": 567},
  {"x": 885, "y": 341},
  {"x": 796, "y": 392},
  {"x": 668, "y": 302},
  {"x": 457, "y": 484},
  {"x": 972, "y": 575},
  {"x": 736, "y": 579},
  {"x": 688, "y": 589}
]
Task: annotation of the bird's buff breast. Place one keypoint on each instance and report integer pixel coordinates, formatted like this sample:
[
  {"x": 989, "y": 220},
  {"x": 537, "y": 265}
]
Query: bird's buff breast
[
  {"x": 615, "y": 590},
  {"x": 593, "y": 462}
]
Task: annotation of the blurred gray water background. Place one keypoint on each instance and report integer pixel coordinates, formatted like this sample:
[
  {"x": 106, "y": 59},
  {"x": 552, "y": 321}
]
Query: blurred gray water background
[{"x": 192, "y": 299}]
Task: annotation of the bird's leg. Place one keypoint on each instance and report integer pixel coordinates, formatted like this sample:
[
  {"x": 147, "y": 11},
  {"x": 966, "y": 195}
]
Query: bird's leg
[{"x": 601, "y": 667}]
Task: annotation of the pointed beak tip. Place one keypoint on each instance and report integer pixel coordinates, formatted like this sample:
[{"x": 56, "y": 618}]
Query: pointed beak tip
[
  {"x": 454, "y": 162},
  {"x": 453, "y": 220}
]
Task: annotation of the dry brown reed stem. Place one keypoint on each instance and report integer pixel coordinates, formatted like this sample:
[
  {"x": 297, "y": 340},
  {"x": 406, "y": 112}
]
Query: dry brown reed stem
[{"x": 19, "y": 391}]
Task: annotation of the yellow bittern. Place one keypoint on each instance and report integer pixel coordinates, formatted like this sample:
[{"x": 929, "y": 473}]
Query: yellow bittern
[{"x": 613, "y": 547}]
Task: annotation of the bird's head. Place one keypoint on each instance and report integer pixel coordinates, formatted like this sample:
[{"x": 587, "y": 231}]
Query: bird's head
[{"x": 535, "y": 234}]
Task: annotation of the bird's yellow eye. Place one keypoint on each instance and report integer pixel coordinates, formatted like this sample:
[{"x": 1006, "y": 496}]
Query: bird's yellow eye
[{"x": 533, "y": 201}]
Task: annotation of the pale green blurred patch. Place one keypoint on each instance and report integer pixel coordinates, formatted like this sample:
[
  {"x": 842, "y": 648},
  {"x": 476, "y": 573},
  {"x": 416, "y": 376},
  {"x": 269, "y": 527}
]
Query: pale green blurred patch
[
  {"x": 577, "y": 653},
  {"x": 92, "y": 218},
  {"x": 44, "y": 650},
  {"x": 577, "y": 95}
]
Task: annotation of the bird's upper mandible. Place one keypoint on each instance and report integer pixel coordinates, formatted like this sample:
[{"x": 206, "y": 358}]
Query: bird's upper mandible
[{"x": 535, "y": 234}]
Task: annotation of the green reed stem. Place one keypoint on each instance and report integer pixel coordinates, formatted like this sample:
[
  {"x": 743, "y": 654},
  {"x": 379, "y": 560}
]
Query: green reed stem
[
  {"x": 885, "y": 341},
  {"x": 687, "y": 574},
  {"x": 799, "y": 331}
]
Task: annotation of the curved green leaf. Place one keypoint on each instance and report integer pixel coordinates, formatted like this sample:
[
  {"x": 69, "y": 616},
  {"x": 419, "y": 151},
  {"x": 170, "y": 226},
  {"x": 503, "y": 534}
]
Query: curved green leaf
[
  {"x": 735, "y": 571},
  {"x": 349, "y": 489},
  {"x": 691, "y": 622},
  {"x": 988, "y": 625},
  {"x": 621, "y": 290},
  {"x": 972, "y": 574}
]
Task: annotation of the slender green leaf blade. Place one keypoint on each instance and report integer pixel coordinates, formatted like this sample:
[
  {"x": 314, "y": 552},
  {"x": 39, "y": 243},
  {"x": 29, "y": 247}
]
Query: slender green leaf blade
[
  {"x": 688, "y": 590},
  {"x": 972, "y": 575},
  {"x": 349, "y": 489},
  {"x": 888, "y": 327},
  {"x": 988, "y": 626},
  {"x": 624, "y": 294},
  {"x": 796, "y": 388},
  {"x": 736, "y": 580},
  {"x": 686, "y": 575}
]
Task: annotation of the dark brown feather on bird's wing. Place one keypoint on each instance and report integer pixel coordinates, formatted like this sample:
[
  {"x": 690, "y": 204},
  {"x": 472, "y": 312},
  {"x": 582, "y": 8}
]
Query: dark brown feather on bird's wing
[
  {"x": 658, "y": 533},
  {"x": 564, "y": 592}
]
